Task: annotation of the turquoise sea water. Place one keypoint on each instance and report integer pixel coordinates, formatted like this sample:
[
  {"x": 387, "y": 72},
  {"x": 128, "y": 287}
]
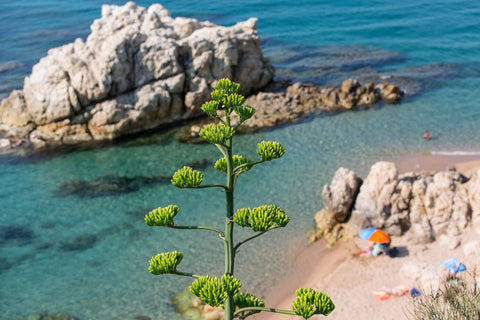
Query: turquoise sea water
[{"x": 88, "y": 256}]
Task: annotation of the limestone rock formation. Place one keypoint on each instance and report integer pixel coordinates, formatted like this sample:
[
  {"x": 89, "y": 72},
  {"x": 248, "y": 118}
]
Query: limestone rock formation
[
  {"x": 373, "y": 205},
  {"x": 422, "y": 206},
  {"x": 338, "y": 198},
  {"x": 474, "y": 199},
  {"x": 340, "y": 194},
  {"x": 138, "y": 69}
]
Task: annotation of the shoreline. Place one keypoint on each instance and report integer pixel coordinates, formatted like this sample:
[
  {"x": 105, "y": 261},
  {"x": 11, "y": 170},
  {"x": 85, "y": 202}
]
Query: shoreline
[
  {"x": 463, "y": 162},
  {"x": 350, "y": 280}
]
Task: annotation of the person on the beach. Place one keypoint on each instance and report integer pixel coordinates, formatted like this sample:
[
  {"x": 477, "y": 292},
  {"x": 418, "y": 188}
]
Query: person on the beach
[
  {"x": 374, "y": 249},
  {"x": 427, "y": 135}
]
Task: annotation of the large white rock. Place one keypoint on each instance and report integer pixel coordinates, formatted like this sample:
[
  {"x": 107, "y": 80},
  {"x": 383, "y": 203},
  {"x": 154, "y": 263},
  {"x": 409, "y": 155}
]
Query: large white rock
[{"x": 138, "y": 69}]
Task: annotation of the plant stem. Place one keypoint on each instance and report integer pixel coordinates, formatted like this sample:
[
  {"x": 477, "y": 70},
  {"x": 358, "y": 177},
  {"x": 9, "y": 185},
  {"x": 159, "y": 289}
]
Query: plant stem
[
  {"x": 201, "y": 228},
  {"x": 229, "y": 254},
  {"x": 264, "y": 309},
  {"x": 186, "y": 274},
  {"x": 248, "y": 239}
]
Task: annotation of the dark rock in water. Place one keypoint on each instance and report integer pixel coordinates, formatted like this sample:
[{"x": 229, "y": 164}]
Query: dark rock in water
[
  {"x": 80, "y": 243},
  {"x": 18, "y": 234},
  {"x": 50, "y": 316},
  {"x": 44, "y": 245},
  {"x": 332, "y": 64},
  {"x": 5, "y": 264},
  {"x": 141, "y": 317},
  {"x": 106, "y": 186},
  {"x": 199, "y": 164}
]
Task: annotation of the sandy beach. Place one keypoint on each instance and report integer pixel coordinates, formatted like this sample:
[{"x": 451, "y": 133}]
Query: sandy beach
[{"x": 350, "y": 280}]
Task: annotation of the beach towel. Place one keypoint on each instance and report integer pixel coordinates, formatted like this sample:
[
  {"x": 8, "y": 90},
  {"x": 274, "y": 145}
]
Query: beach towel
[{"x": 390, "y": 293}]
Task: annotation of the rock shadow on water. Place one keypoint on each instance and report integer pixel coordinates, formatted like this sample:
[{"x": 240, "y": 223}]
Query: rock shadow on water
[
  {"x": 80, "y": 243},
  {"x": 108, "y": 185},
  {"x": 333, "y": 64},
  {"x": 17, "y": 235},
  {"x": 50, "y": 316}
]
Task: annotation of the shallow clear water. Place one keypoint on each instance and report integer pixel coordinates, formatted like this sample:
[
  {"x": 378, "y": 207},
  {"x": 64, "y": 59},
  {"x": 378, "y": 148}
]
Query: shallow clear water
[{"x": 431, "y": 48}]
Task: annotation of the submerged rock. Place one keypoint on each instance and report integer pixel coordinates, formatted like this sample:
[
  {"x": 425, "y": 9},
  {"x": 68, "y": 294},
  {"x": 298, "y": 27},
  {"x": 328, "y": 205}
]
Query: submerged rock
[
  {"x": 50, "y": 316},
  {"x": 17, "y": 234},
  {"x": 80, "y": 243},
  {"x": 139, "y": 69},
  {"x": 106, "y": 186}
]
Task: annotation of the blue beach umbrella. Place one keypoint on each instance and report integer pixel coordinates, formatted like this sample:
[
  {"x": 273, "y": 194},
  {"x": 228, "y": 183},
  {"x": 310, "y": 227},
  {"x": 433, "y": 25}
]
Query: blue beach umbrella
[{"x": 453, "y": 265}]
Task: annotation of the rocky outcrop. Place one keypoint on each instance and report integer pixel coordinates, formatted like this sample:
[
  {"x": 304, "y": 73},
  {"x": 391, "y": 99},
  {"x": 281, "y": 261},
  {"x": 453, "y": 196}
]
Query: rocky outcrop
[
  {"x": 338, "y": 198},
  {"x": 138, "y": 69},
  {"x": 300, "y": 99},
  {"x": 424, "y": 207}
]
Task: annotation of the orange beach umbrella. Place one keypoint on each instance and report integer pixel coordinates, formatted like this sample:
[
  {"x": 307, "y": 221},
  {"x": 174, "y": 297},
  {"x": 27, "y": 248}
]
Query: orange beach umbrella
[{"x": 374, "y": 235}]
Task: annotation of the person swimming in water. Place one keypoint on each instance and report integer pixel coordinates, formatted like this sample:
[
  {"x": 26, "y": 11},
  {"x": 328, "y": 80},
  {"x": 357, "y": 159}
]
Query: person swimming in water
[{"x": 427, "y": 135}]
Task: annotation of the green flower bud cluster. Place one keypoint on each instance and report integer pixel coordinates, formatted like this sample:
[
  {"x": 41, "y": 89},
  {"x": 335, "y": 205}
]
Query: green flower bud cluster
[
  {"x": 269, "y": 150},
  {"x": 214, "y": 291},
  {"x": 224, "y": 87},
  {"x": 244, "y": 112},
  {"x": 221, "y": 164},
  {"x": 261, "y": 218},
  {"x": 216, "y": 133},
  {"x": 162, "y": 217},
  {"x": 226, "y": 95},
  {"x": 310, "y": 302},
  {"x": 187, "y": 178},
  {"x": 243, "y": 300},
  {"x": 233, "y": 100},
  {"x": 210, "y": 108},
  {"x": 166, "y": 262}
]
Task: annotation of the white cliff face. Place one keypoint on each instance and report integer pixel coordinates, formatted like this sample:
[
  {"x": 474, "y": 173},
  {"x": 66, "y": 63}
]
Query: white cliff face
[{"x": 138, "y": 69}]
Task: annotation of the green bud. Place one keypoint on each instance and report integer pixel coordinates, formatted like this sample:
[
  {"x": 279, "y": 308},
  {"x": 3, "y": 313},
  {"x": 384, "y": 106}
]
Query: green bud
[
  {"x": 269, "y": 150},
  {"x": 243, "y": 300},
  {"x": 210, "y": 108},
  {"x": 242, "y": 216},
  {"x": 261, "y": 218},
  {"x": 209, "y": 290},
  {"x": 281, "y": 219},
  {"x": 233, "y": 100},
  {"x": 218, "y": 95},
  {"x": 232, "y": 285},
  {"x": 221, "y": 164},
  {"x": 161, "y": 217},
  {"x": 302, "y": 308},
  {"x": 310, "y": 302},
  {"x": 187, "y": 178},
  {"x": 244, "y": 112},
  {"x": 216, "y": 133},
  {"x": 227, "y": 86},
  {"x": 166, "y": 262}
]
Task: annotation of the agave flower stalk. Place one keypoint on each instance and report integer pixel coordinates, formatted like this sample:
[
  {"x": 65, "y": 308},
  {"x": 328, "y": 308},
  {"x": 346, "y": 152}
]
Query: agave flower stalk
[{"x": 225, "y": 291}]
